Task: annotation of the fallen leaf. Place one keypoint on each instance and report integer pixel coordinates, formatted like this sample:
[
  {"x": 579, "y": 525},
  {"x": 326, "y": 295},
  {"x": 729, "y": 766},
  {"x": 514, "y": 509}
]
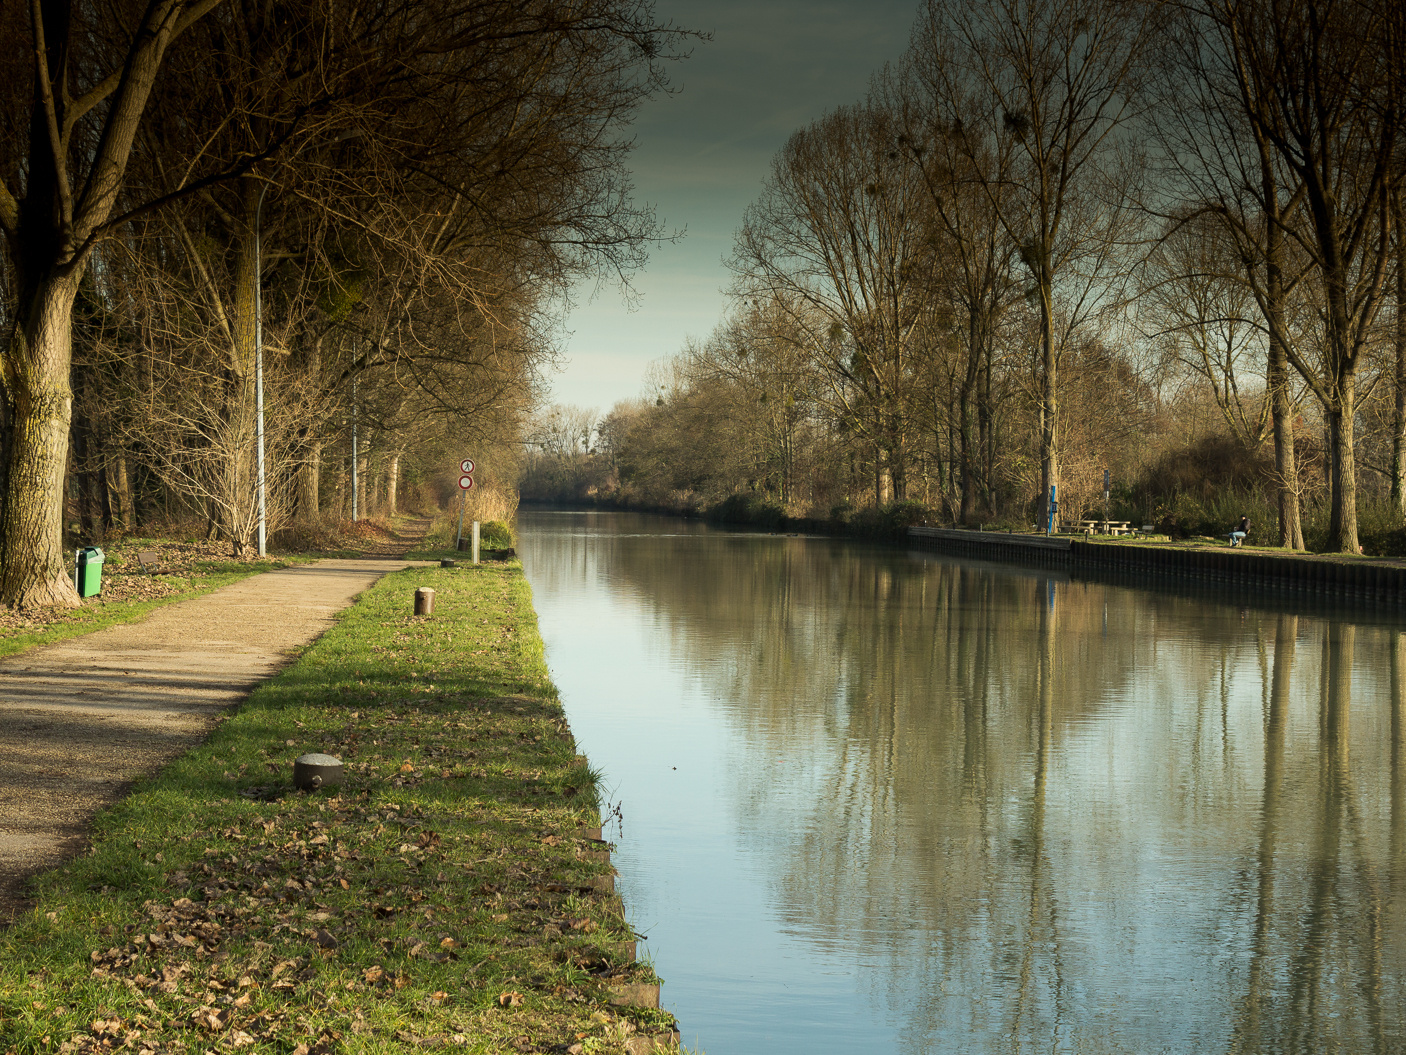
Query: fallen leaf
[{"x": 510, "y": 999}]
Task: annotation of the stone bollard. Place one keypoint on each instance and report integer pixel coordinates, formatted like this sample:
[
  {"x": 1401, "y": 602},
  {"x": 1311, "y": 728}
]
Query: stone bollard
[{"x": 424, "y": 601}]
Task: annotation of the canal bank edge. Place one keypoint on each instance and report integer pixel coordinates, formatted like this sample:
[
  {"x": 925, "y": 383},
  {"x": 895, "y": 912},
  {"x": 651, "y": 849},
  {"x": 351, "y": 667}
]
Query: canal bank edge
[
  {"x": 453, "y": 892},
  {"x": 1364, "y": 581}
]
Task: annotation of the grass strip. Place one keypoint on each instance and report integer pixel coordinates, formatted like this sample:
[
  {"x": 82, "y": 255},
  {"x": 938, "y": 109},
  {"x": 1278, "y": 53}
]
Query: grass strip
[{"x": 443, "y": 896}]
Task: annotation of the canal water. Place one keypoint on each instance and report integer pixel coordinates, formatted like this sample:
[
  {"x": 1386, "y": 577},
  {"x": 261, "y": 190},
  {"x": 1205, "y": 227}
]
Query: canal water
[{"x": 869, "y": 799}]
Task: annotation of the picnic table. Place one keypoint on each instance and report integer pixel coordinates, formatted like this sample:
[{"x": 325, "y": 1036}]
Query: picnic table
[{"x": 1106, "y": 527}]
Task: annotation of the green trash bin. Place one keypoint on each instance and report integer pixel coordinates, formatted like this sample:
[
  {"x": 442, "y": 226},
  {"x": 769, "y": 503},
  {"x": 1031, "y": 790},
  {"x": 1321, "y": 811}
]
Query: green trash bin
[{"x": 88, "y": 575}]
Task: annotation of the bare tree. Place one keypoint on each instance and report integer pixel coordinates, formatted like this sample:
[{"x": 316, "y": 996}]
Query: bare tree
[
  {"x": 758, "y": 353},
  {"x": 1201, "y": 315},
  {"x": 1314, "y": 82},
  {"x": 836, "y": 241},
  {"x": 1050, "y": 86},
  {"x": 963, "y": 181}
]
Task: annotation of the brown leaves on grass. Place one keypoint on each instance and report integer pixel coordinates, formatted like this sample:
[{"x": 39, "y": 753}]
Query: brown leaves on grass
[{"x": 350, "y": 902}]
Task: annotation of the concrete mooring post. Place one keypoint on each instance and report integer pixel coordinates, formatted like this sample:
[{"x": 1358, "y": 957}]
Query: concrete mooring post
[
  {"x": 475, "y": 541},
  {"x": 424, "y": 601}
]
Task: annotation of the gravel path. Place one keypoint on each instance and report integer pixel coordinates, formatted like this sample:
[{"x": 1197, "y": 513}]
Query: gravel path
[{"x": 81, "y": 720}]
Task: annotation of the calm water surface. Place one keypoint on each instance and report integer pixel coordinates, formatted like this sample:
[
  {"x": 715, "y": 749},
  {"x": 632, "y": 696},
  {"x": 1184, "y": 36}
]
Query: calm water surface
[{"x": 876, "y": 800}]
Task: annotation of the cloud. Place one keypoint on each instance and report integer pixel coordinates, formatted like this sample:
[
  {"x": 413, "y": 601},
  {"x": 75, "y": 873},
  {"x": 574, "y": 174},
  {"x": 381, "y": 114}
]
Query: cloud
[{"x": 703, "y": 153}]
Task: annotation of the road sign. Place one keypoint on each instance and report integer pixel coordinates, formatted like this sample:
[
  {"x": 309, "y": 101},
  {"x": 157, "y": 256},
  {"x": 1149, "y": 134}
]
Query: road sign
[
  {"x": 466, "y": 467},
  {"x": 466, "y": 482}
]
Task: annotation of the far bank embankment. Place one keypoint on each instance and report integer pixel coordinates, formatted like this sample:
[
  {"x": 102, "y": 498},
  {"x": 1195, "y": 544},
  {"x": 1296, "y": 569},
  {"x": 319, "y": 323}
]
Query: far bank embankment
[{"x": 1316, "y": 578}]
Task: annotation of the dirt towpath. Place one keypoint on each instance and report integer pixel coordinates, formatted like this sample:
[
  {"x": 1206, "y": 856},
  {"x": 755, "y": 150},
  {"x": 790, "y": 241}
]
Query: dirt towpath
[{"x": 82, "y": 719}]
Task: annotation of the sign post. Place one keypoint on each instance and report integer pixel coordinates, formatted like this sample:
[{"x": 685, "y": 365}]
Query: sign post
[
  {"x": 1105, "y": 498},
  {"x": 466, "y": 483}
]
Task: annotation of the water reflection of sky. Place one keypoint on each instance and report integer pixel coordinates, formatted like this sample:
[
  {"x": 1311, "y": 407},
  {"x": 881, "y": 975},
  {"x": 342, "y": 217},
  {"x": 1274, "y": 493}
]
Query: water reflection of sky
[{"x": 880, "y": 800}]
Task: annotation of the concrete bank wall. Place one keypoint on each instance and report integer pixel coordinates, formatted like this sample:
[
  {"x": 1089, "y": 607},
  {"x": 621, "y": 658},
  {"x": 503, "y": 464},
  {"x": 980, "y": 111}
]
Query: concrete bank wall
[{"x": 1377, "y": 583}]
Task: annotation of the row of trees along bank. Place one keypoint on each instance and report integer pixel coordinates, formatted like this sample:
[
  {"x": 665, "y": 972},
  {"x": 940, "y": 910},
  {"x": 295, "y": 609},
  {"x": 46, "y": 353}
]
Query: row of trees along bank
[
  {"x": 411, "y": 186},
  {"x": 1060, "y": 237}
]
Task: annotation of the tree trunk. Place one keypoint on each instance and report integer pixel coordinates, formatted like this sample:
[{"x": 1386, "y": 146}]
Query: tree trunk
[
  {"x": 393, "y": 484},
  {"x": 362, "y": 458},
  {"x": 240, "y": 498},
  {"x": 1398, "y": 421},
  {"x": 35, "y": 561},
  {"x": 1277, "y": 370},
  {"x": 986, "y": 418},
  {"x": 1049, "y": 393},
  {"x": 1342, "y": 531},
  {"x": 309, "y": 474},
  {"x": 965, "y": 401},
  {"x": 122, "y": 485}
]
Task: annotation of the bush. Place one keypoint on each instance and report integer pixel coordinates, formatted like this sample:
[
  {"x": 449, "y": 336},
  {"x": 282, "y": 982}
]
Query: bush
[
  {"x": 900, "y": 516},
  {"x": 889, "y": 522},
  {"x": 496, "y": 534},
  {"x": 758, "y": 510},
  {"x": 1187, "y": 515},
  {"x": 1380, "y": 529},
  {"x": 1209, "y": 468}
]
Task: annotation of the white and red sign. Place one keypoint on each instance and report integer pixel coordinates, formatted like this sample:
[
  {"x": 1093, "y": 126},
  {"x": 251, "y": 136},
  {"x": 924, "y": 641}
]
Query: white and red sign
[
  {"x": 466, "y": 467},
  {"x": 466, "y": 482}
]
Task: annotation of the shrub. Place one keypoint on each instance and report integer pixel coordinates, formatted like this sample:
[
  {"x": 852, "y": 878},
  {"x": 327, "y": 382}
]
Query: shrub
[
  {"x": 496, "y": 534},
  {"x": 758, "y": 510},
  {"x": 900, "y": 516}
]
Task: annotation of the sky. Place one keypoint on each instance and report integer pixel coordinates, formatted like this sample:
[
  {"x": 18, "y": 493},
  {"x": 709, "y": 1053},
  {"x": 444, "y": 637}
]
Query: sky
[{"x": 702, "y": 155}]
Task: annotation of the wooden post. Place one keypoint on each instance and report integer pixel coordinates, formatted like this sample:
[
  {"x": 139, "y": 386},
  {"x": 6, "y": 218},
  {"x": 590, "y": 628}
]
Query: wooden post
[{"x": 424, "y": 601}]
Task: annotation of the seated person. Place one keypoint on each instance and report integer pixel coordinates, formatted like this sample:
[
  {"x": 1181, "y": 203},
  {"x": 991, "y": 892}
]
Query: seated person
[{"x": 1237, "y": 537}]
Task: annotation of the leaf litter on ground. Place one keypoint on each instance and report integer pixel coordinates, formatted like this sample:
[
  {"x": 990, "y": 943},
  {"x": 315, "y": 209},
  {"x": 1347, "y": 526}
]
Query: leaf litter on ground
[{"x": 447, "y": 894}]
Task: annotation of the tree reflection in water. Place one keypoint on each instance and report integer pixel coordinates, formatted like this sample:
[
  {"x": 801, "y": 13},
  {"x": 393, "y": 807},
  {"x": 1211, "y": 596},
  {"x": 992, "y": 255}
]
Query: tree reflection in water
[{"x": 1058, "y": 815}]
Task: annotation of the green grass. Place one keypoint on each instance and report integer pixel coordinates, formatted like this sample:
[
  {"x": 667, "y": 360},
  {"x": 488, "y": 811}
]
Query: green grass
[{"x": 441, "y": 897}]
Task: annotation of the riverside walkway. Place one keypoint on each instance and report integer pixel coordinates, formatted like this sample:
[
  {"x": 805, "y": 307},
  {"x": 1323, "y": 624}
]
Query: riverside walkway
[{"x": 82, "y": 719}]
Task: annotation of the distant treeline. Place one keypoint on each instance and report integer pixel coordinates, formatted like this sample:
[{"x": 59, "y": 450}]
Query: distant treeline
[{"x": 1058, "y": 240}]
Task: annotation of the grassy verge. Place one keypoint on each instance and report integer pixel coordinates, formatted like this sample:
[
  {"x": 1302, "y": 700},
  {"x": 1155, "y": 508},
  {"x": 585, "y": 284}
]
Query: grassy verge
[{"x": 443, "y": 896}]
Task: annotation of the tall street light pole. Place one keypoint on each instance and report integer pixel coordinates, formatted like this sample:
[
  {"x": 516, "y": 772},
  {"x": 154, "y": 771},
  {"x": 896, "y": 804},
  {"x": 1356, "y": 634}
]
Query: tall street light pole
[{"x": 259, "y": 366}]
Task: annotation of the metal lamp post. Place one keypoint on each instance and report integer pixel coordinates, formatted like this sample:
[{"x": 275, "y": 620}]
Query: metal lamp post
[{"x": 259, "y": 366}]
